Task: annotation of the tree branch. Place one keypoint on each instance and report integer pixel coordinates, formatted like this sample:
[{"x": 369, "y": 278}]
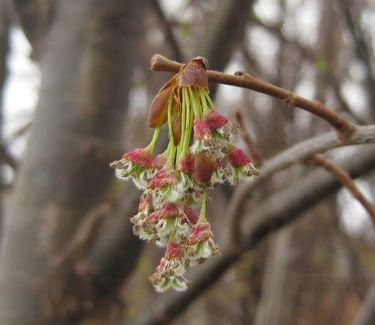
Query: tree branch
[
  {"x": 295, "y": 154},
  {"x": 34, "y": 16},
  {"x": 257, "y": 158},
  {"x": 344, "y": 178},
  {"x": 366, "y": 314},
  {"x": 275, "y": 212},
  {"x": 344, "y": 127},
  {"x": 360, "y": 44},
  {"x": 169, "y": 34}
]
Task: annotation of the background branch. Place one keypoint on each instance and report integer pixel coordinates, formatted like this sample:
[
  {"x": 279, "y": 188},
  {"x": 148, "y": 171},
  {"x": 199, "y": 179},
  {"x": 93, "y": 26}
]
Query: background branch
[
  {"x": 256, "y": 157},
  {"x": 346, "y": 181},
  {"x": 295, "y": 154},
  {"x": 169, "y": 33}
]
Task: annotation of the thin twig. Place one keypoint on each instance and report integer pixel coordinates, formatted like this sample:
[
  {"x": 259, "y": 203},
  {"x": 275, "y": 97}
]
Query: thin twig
[
  {"x": 19, "y": 132},
  {"x": 295, "y": 154},
  {"x": 344, "y": 105},
  {"x": 169, "y": 34},
  {"x": 308, "y": 53},
  {"x": 7, "y": 158},
  {"x": 257, "y": 158},
  {"x": 361, "y": 47},
  {"x": 346, "y": 181},
  {"x": 344, "y": 127},
  {"x": 85, "y": 235}
]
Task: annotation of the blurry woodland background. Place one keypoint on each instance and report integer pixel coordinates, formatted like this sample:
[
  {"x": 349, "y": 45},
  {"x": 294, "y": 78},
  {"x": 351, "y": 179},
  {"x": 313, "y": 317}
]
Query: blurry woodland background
[{"x": 75, "y": 89}]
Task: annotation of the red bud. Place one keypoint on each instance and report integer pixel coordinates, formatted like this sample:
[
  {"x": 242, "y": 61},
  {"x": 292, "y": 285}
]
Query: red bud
[
  {"x": 203, "y": 169},
  {"x": 194, "y": 73}
]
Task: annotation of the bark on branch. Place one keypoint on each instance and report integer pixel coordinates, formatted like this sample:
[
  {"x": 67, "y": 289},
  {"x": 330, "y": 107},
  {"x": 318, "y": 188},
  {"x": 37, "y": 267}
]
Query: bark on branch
[
  {"x": 344, "y": 178},
  {"x": 295, "y": 154},
  {"x": 344, "y": 127}
]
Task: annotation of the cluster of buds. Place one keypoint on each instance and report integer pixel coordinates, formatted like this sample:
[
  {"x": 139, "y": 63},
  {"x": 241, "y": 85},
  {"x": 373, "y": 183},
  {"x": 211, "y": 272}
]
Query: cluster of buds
[{"x": 200, "y": 155}]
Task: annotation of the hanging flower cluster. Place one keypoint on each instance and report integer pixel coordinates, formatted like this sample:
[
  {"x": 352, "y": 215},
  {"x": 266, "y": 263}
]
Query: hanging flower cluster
[{"x": 200, "y": 155}]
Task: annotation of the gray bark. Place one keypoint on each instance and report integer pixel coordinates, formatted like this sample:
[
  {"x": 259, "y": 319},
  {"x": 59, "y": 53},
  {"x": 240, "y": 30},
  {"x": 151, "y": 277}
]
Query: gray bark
[
  {"x": 271, "y": 302},
  {"x": 366, "y": 315},
  {"x": 89, "y": 58}
]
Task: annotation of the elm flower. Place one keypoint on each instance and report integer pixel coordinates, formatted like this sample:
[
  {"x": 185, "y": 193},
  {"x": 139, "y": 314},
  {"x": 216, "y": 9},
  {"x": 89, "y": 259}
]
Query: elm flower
[
  {"x": 170, "y": 273},
  {"x": 174, "y": 184},
  {"x": 200, "y": 244}
]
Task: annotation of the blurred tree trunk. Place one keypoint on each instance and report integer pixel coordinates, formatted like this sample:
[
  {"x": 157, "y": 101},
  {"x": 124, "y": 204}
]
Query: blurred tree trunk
[
  {"x": 269, "y": 311},
  {"x": 4, "y": 48},
  {"x": 87, "y": 64}
]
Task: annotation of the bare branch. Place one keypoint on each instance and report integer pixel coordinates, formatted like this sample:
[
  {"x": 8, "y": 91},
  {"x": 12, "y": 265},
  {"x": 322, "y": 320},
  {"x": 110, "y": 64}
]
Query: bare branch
[
  {"x": 169, "y": 34},
  {"x": 295, "y": 154},
  {"x": 346, "y": 181},
  {"x": 257, "y": 158},
  {"x": 34, "y": 16},
  {"x": 366, "y": 314},
  {"x": 360, "y": 46},
  {"x": 344, "y": 127}
]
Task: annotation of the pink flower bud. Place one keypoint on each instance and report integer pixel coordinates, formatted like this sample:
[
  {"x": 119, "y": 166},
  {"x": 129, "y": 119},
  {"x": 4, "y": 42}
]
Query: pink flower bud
[
  {"x": 214, "y": 119},
  {"x": 153, "y": 218},
  {"x": 191, "y": 215},
  {"x": 162, "y": 266},
  {"x": 201, "y": 130},
  {"x": 194, "y": 73},
  {"x": 160, "y": 160},
  {"x": 168, "y": 210},
  {"x": 140, "y": 156},
  {"x": 164, "y": 177},
  {"x": 237, "y": 157},
  {"x": 173, "y": 250},
  {"x": 200, "y": 232},
  {"x": 186, "y": 164},
  {"x": 203, "y": 169},
  {"x": 143, "y": 203}
]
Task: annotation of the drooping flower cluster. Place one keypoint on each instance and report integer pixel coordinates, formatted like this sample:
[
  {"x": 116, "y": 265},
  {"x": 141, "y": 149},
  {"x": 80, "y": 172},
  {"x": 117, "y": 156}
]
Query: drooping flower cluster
[{"x": 200, "y": 155}]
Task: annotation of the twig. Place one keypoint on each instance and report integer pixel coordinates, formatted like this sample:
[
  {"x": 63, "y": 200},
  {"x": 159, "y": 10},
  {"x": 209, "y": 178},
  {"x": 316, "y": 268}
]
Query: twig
[
  {"x": 7, "y": 158},
  {"x": 295, "y": 154},
  {"x": 276, "y": 30},
  {"x": 344, "y": 127},
  {"x": 169, "y": 34},
  {"x": 85, "y": 235},
  {"x": 360, "y": 46},
  {"x": 308, "y": 53},
  {"x": 344, "y": 105},
  {"x": 19, "y": 132},
  {"x": 257, "y": 158},
  {"x": 346, "y": 181}
]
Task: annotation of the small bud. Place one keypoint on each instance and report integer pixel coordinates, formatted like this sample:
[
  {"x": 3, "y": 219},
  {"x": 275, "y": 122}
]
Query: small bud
[
  {"x": 139, "y": 156},
  {"x": 203, "y": 169},
  {"x": 186, "y": 164},
  {"x": 201, "y": 130},
  {"x": 194, "y": 73},
  {"x": 237, "y": 157},
  {"x": 191, "y": 215},
  {"x": 173, "y": 250},
  {"x": 164, "y": 177},
  {"x": 214, "y": 119}
]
